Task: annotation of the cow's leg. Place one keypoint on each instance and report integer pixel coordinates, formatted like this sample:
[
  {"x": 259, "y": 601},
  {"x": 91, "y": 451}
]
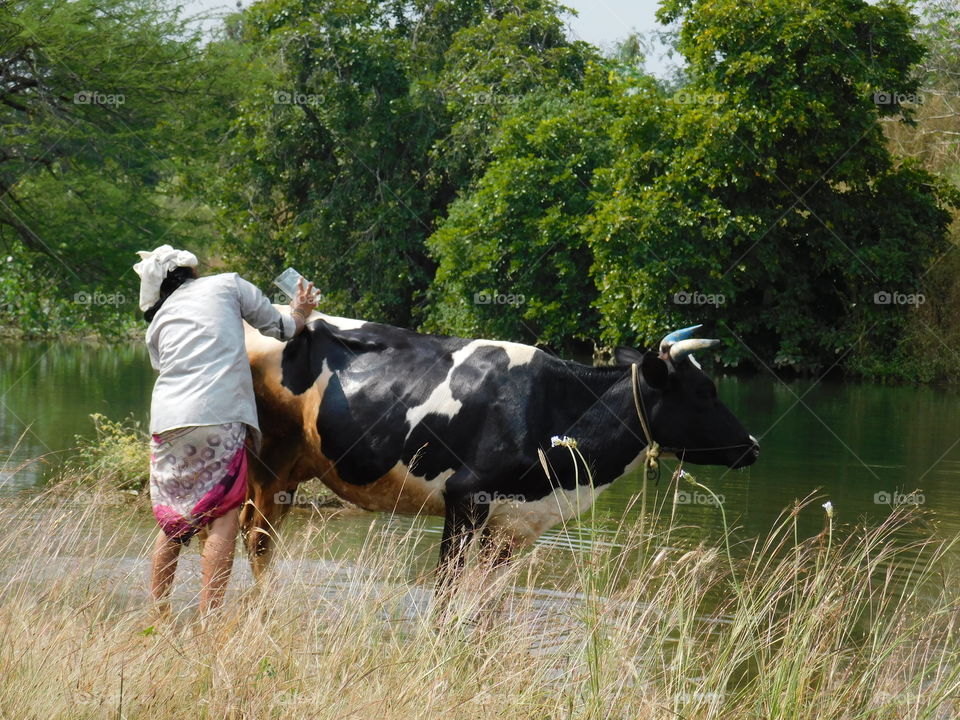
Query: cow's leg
[
  {"x": 463, "y": 516},
  {"x": 259, "y": 519},
  {"x": 496, "y": 548},
  {"x": 268, "y": 497},
  {"x": 495, "y": 554}
]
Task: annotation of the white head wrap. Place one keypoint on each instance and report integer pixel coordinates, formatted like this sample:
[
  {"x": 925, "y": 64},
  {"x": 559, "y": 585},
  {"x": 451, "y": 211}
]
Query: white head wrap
[{"x": 153, "y": 268}]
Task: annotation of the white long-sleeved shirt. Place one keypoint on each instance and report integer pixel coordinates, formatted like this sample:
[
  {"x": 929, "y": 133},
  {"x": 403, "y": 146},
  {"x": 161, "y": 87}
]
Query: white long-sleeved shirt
[{"x": 196, "y": 342}]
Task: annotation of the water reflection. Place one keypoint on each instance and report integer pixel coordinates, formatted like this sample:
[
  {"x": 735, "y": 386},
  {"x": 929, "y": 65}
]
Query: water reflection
[{"x": 49, "y": 390}]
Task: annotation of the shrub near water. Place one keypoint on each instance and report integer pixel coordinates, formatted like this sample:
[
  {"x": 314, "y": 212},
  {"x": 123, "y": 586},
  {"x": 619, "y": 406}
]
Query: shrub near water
[
  {"x": 852, "y": 623},
  {"x": 118, "y": 455}
]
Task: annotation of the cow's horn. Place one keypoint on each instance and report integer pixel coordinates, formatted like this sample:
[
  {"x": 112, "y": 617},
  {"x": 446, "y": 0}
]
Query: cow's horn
[
  {"x": 679, "y": 350},
  {"x": 677, "y": 336}
]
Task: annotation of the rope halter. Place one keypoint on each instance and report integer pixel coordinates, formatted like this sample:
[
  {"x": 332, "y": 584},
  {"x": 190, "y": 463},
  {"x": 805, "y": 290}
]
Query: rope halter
[{"x": 651, "y": 463}]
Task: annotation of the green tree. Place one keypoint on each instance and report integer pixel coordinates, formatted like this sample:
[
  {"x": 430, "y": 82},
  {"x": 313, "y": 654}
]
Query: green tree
[
  {"x": 513, "y": 255},
  {"x": 375, "y": 115},
  {"x": 929, "y": 347},
  {"x": 95, "y": 102},
  {"x": 940, "y": 32},
  {"x": 778, "y": 195}
]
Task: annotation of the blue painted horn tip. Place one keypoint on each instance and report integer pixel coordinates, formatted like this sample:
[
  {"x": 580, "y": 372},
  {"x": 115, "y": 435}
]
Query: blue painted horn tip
[{"x": 681, "y": 334}]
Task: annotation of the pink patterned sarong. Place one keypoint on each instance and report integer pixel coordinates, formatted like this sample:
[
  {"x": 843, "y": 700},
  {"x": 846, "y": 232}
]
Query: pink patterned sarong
[{"x": 197, "y": 474}]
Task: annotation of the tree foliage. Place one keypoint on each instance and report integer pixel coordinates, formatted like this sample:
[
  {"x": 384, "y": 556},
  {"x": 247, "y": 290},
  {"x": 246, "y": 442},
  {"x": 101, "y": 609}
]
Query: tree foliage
[
  {"x": 463, "y": 166},
  {"x": 376, "y": 115},
  {"x": 760, "y": 197},
  {"x": 97, "y": 100},
  {"x": 513, "y": 253},
  {"x": 779, "y": 194}
]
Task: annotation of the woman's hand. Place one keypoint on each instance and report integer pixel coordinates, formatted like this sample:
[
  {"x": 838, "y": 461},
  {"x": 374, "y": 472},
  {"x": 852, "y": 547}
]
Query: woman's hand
[
  {"x": 306, "y": 299},
  {"x": 304, "y": 303}
]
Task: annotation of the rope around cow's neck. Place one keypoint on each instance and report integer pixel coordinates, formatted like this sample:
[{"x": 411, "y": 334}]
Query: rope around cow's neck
[{"x": 651, "y": 462}]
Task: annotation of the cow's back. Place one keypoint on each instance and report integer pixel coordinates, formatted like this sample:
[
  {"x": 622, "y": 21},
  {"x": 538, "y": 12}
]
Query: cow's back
[{"x": 384, "y": 416}]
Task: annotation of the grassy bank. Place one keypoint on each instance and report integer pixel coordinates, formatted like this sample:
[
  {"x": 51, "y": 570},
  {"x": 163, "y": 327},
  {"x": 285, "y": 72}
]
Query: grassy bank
[{"x": 846, "y": 624}]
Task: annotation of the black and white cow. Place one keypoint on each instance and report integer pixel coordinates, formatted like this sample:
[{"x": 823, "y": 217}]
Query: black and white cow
[{"x": 399, "y": 421}]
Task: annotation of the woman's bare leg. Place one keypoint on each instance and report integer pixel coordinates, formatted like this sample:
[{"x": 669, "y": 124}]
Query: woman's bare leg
[
  {"x": 164, "y": 566},
  {"x": 216, "y": 562}
]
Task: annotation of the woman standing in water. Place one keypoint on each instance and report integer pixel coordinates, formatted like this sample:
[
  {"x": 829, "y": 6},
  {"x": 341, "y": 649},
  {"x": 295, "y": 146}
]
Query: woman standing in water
[{"x": 203, "y": 416}]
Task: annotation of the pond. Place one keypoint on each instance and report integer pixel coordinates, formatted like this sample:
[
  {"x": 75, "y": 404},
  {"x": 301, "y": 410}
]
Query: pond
[{"x": 864, "y": 447}]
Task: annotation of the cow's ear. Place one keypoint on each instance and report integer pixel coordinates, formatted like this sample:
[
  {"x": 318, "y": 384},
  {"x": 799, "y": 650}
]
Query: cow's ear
[
  {"x": 627, "y": 356},
  {"x": 655, "y": 371},
  {"x": 296, "y": 365}
]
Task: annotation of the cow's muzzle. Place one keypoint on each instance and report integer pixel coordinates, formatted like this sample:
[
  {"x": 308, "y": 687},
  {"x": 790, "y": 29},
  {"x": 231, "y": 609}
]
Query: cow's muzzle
[{"x": 748, "y": 455}]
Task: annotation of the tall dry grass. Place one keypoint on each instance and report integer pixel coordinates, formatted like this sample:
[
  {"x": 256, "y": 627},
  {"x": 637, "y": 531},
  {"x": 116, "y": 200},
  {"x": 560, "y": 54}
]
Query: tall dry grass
[{"x": 855, "y": 622}]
